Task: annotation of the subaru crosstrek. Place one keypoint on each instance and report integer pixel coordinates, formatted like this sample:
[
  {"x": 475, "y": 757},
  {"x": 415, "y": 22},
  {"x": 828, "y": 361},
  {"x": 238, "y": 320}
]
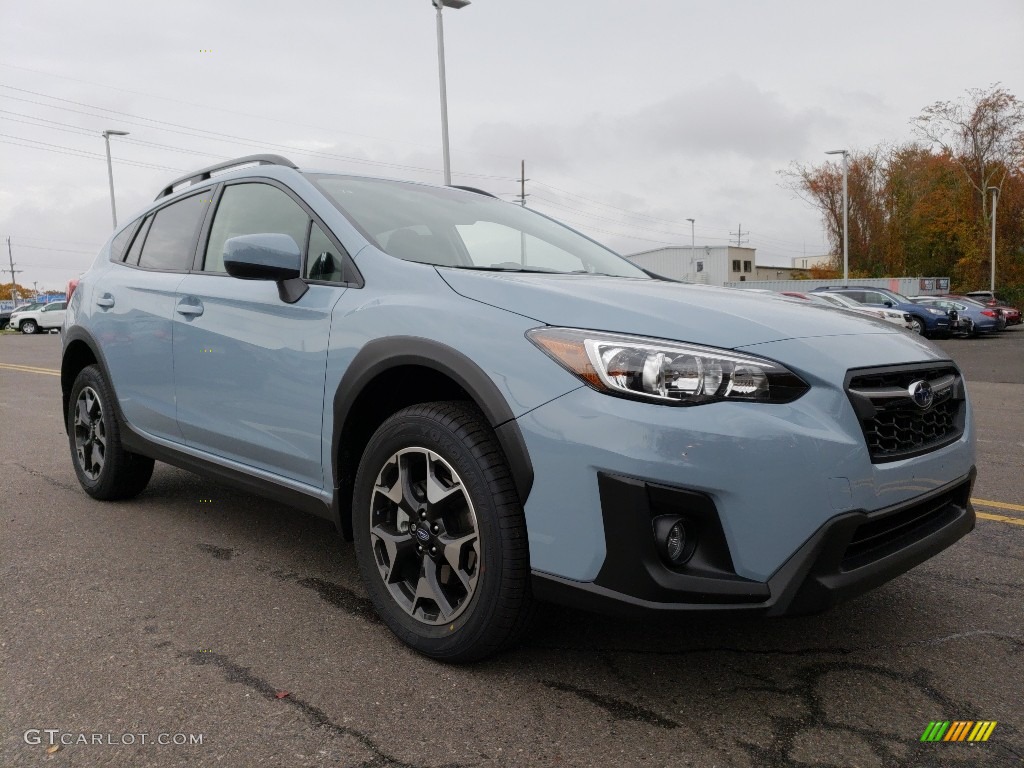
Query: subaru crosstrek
[{"x": 498, "y": 410}]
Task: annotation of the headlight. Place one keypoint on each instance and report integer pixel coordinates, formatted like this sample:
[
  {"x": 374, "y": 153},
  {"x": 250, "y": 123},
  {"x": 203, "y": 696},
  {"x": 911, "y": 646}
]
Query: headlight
[
  {"x": 935, "y": 311},
  {"x": 667, "y": 372}
]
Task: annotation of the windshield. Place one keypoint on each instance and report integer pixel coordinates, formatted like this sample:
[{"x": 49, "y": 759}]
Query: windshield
[
  {"x": 899, "y": 297},
  {"x": 465, "y": 230}
]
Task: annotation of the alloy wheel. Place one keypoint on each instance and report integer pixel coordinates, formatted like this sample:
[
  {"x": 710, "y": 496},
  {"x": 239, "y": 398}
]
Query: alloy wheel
[
  {"x": 424, "y": 536},
  {"x": 90, "y": 433}
]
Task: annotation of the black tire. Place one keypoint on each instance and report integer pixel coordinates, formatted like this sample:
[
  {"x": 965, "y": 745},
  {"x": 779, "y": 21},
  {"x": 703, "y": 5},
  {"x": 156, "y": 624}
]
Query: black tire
[
  {"x": 917, "y": 325},
  {"x": 498, "y": 610},
  {"x": 119, "y": 474},
  {"x": 28, "y": 327}
]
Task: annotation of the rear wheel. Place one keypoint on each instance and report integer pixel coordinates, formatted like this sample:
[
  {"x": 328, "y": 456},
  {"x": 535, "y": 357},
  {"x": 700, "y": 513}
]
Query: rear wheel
[
  {"x": 29, "y": 326},
  {"x": 440, "y": 535},
  {"x": 105, "y": 470}
]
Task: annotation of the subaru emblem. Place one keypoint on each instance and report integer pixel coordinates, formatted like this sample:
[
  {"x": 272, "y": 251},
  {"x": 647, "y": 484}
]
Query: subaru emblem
[
  {"x": 422, "y": 534},
  {"x": 921, "y": 393}
]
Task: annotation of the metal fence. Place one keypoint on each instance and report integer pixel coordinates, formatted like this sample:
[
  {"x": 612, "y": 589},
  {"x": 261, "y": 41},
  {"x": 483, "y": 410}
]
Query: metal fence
[{"x": 908, "y": 286}]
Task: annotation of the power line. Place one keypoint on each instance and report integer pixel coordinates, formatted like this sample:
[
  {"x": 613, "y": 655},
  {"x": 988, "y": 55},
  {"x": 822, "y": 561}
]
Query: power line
[
  {"x": 216, "y": 135},
  {"x": 677, "y": 235},
  {"x": 61, "y": 250},
  {"x": 56, "y": 125},
  {"x": 62, "y": 150},
  {"x": 244, "y": 114}
]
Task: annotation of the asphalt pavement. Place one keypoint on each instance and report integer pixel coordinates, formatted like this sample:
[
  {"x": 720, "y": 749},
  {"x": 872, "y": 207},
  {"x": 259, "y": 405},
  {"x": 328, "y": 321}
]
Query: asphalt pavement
[{"x": 199, "y": 626}]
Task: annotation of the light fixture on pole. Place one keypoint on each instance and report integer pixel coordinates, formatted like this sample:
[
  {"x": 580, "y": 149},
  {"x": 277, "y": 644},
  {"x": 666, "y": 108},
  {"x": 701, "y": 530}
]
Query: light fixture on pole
[
  {"x": 992, "y": 279},
  {"x": 439, "y": 4},
  {"x": 846, "y": 215},
  {"x": 110, "y": 172},
  {"x": 693, "y": 244}
]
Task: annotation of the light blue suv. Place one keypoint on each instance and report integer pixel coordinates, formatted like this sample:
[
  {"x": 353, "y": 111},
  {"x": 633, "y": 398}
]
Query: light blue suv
[{"x": 497, "y": 409}]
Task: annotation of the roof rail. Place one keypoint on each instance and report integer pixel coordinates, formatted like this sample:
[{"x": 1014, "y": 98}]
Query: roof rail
[{"x": 205, "y": 173}]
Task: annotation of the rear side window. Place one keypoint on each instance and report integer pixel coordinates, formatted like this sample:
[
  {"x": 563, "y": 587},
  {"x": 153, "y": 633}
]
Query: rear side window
[
  {"x": 119, "y": 243},
  {"x": 170, "y": 243},
  {"x": 250, "y": 209},
  {"x": 140, "y": 238}
]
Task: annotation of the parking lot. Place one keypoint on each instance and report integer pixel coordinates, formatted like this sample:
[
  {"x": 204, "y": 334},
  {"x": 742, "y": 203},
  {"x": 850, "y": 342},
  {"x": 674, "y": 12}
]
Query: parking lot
[{"x": 199, "y": 612}]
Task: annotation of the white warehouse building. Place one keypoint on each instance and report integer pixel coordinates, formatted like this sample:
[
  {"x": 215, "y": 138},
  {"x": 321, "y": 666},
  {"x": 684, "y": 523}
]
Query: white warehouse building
[{"x": 710, "y": 264}]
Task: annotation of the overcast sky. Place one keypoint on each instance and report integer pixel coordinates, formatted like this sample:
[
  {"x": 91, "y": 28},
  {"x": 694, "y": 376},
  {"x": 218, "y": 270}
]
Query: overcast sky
[{"x": 631, "y": 116}]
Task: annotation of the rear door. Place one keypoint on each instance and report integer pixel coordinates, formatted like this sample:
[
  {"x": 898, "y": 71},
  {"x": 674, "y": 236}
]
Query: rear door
[
  {"x": 132, "y": 310},
  {"x": 52, "y": 315},
  {"x": 249, "y": 368}
]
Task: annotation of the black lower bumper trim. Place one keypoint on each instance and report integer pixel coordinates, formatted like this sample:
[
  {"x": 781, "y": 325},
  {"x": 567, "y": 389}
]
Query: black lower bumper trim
[{"x": 850, "y": 554}]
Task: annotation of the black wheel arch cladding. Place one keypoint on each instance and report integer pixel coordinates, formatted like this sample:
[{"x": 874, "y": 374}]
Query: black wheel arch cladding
[{"x": 381, "y": 355}]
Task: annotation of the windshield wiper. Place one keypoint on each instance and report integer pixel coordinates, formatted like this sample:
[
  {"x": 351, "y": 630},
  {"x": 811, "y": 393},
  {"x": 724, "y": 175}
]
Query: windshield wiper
[{"x": 503, "y": 269}]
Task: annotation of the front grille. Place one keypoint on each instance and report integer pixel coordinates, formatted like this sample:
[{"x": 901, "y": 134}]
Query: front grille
[
  {"x": 896, "y": 426},
  {"x": 896, "y": 529}
]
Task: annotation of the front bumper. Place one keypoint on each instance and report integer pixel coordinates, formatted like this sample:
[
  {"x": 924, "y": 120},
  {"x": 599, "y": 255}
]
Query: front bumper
[{"x": 850, "y": 554}]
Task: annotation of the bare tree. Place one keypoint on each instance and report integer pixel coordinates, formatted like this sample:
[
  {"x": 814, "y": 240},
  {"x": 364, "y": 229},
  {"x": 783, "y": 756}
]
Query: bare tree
[{"x": 983, "y": 132}]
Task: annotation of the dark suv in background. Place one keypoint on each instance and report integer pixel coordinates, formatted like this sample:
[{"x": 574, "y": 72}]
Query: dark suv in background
[{"x": 928, "y": 321}]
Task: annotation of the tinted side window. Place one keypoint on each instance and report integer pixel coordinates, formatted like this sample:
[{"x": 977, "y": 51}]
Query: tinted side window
[
  {"x": 875, "y": 299},
  {"x": 120, "y": 242},
  {"x": 140, "y": 238},
  {"x": 171, "y": 240},
  {"x": 324, "y": 261},
  {"x": 250, "y": 209}
]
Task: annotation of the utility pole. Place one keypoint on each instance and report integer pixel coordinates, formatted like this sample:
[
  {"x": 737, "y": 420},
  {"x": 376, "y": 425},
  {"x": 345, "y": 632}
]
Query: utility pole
[
  {"x": 14, "y": 282},
  {"x": 693, "y": 244},
  {"x": 738, "y": 234},
  {"x": 522, "y": 202},
  {"x": 521, "y": 197}
]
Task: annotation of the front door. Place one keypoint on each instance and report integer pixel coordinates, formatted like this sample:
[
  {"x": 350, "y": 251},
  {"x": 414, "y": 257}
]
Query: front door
[{"x": 249, "y": 368}]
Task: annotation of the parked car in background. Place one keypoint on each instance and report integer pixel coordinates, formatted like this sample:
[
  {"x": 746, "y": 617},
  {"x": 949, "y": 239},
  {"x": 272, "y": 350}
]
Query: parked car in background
[
  {"x": 1012, "y": 314},
  {"x": 9, "y": 309},
  {"x": 497, "y": 409},
  {"x": 975, "y": 318},
  {"x": 39, "y": 317},
  {"x": 839, "y": 301},
  {"x": 928, "y": 321}
]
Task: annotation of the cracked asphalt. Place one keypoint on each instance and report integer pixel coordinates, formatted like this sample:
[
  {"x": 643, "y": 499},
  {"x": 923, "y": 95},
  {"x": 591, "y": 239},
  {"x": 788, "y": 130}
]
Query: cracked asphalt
[{"x": 244, "y": 623}]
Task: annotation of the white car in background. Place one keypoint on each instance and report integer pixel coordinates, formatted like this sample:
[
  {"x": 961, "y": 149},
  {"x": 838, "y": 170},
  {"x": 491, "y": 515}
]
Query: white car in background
[
  {"x": 49, "y": 317},
  {"x": 901, "y": 319}
]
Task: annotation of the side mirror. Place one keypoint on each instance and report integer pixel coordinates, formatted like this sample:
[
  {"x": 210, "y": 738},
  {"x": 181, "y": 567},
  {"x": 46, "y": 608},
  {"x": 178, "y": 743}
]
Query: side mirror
[
  {"x": 267, "y": 256},
  {"x": 889, "y": 304}
]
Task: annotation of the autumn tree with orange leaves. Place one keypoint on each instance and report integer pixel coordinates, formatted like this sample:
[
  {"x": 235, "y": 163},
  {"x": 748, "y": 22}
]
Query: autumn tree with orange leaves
[{"x": 921, "y": 208}]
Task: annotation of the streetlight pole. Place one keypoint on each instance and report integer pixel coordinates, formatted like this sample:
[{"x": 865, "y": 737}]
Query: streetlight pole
[
  {"x": 110, "y": 172},
  {"x": 693, "y": 244},
  {"x": 846, "y": 215},
  {"x": 992, "y": 279},
  {"x": 439, "y": 4}
]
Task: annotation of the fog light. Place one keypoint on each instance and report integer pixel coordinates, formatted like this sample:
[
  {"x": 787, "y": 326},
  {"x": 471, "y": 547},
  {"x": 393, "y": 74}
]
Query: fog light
[{"x": 674, "y": 539}]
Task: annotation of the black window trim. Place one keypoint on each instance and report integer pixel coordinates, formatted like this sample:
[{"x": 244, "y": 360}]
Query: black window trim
[
  {"x": 151, "y": 214},
  {"x": 141, "y": 232},
  {"x": 132, "y": 229},
  {"x": 354, "y": 278}
]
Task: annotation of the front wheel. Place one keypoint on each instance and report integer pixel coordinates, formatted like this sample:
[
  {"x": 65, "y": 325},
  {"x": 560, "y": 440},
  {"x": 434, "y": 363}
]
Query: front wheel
[
  {"x": 105, "y": 469},
  {"x": 916, "y": 325},
  {"x": 29, "y": 327},
  {"x": 440, "y": 535}
]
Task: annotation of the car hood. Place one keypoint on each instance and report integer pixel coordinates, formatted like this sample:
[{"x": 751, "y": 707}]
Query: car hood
[{"x": 721, "y": 317}]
